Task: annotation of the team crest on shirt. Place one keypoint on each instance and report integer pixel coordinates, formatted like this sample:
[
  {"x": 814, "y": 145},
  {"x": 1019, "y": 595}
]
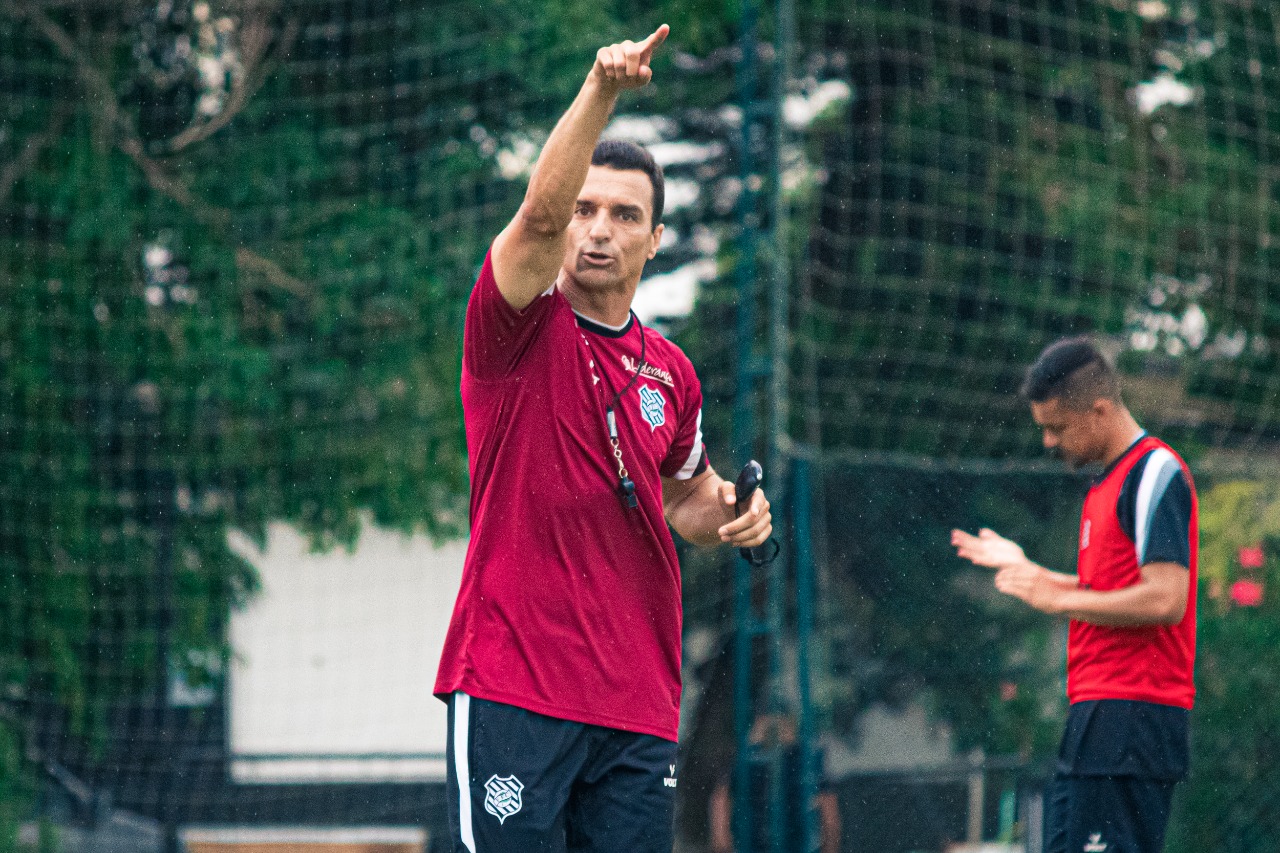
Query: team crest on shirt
[
  {"x": 653, "y": 407},
  {"x": 502, "y": 796}
]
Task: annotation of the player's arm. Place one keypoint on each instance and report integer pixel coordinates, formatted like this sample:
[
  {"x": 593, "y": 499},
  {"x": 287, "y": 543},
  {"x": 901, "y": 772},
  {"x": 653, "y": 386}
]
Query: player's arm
[
  {"x": 527, "y": 255},
  {"x": 720, "y": 818},
  {"x": 701, "y": 510},
  {"x": 829, "y": 822},
  {"x": 1158, "y": 598}
]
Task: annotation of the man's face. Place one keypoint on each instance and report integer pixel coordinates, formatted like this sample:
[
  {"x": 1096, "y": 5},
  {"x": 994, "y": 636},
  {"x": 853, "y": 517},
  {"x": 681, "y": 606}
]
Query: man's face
[
  {"x": 611, "y": 235},
  {"x": 1073, "y": 435}
]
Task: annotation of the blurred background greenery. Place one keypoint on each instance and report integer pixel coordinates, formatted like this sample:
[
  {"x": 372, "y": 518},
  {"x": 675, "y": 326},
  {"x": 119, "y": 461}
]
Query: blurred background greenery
[{"x": 237, "y": 237}]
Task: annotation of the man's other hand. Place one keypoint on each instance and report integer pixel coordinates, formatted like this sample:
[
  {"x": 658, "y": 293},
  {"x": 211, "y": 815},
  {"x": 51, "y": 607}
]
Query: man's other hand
[
  {"x": 988, "y": 549},
  {"x": 751, "y": 529}
]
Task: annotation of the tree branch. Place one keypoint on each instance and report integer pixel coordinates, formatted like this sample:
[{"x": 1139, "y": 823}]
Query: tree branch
[
  {"x": 256, "y": 37},
  {"x": 251, "y": 261},
  {"x": 127, "y": 140}
]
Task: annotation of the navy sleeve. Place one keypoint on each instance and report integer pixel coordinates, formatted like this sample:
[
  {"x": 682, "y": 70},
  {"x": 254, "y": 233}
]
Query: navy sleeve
[{"x": 1154, "y": 509}]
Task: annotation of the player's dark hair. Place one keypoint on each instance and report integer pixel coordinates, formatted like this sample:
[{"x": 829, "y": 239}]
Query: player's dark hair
[
  {"x": 624, "y": 156},
  {"x": 1074, "y": 371}
]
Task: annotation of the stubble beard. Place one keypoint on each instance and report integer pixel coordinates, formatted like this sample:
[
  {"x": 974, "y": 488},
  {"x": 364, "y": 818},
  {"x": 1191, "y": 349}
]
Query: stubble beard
[{"x": 1074, "y": 463}]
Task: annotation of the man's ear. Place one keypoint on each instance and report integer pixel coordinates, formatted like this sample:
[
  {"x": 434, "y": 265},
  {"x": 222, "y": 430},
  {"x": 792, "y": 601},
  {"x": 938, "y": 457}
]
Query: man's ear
[{"x": 657, "y": 240}]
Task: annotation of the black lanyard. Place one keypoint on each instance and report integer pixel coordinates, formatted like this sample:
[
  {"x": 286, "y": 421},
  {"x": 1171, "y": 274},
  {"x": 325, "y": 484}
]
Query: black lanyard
[{"x": 626, "y": 486}]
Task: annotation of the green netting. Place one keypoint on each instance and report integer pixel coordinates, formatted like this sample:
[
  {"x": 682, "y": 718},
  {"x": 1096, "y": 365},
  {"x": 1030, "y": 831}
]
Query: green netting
[
  {"x": 237, "y": 242},
  {"x": 1008, "y": 173},
  {"x": 236, "y": 239}
]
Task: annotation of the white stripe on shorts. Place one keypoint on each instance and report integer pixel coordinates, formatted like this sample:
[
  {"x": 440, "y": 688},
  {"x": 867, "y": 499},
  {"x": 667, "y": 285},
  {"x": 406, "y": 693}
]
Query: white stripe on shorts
[{"x": 461, "y": 730}]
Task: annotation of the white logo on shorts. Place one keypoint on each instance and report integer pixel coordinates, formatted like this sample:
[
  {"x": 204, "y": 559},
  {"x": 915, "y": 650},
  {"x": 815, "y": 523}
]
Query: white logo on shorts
[
  {"x": 1095, "y": 844},
  {"x": 502, "y": 796}
]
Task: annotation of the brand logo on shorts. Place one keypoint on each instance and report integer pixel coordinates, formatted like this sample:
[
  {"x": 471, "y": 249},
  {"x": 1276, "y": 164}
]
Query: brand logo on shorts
[
  {"x": 1095, "y": 844},
  {"x": 670, "y": 781},
  {"x": 653, "y": 406},
  {"x": 502, "y": 796}
]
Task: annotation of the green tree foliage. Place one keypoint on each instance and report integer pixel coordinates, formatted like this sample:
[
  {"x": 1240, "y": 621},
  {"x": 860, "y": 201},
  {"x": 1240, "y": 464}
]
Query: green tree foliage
[
  {"x": 236, "y": 241},
  {"x": 1229, "y": 802},
  {"x": 1003, "y": 175},
  {"x": 1007, "y": 174}
]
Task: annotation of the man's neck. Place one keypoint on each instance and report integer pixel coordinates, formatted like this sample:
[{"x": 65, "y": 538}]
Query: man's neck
[
  {"x": 611, "y": 308},
  {"x": 1123, "y": 436}
]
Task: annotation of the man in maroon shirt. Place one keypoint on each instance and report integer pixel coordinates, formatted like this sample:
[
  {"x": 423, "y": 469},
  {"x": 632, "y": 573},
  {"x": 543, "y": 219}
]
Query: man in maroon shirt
[
  {"x": 584, "y": 429},
  {"x": 1131, "y": 605}
]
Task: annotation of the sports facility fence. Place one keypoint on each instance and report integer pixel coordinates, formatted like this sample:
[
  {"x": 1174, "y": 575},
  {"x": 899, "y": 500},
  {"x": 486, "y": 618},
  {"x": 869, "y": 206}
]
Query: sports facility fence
[{"x": 236, "y": 240}]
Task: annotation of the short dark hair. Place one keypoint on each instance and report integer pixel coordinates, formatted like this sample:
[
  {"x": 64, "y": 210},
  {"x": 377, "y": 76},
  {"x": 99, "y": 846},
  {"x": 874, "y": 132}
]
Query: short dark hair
[
  {"x": 622, "y": 155},
  {"x": 1074, "y": 371}
]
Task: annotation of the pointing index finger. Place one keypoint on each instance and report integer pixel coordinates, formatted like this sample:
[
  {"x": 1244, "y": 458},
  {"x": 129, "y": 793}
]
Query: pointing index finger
[{"x": 656, "y": 38}]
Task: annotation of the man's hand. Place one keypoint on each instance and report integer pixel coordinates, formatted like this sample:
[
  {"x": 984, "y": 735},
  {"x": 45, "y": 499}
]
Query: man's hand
[
  {"x": 1015, "y": 574},
  {"x": 626, "y": 64},
  {"x": 988, "y": 549},
  {"x": 1030, "y": 583},
  {"x": 753, "y": 527},
  {"x": 701, "y": 509}
]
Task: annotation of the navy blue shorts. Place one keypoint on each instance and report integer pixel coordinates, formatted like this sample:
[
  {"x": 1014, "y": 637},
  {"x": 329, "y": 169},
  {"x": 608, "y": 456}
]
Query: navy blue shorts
[
  {"x": 1106, "y": 814},
  {"x": 520, "y": 781},
  {"x": 1117, "y": 768}
]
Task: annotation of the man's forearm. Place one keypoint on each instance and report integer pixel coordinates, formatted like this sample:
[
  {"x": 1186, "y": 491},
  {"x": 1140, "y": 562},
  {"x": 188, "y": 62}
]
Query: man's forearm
[
  {"x": 562, "y": 166},
  {"x": 699, "y": 515},
  {"x": 1060, "y": 580},
  {"x": 1159, "y": 598}
]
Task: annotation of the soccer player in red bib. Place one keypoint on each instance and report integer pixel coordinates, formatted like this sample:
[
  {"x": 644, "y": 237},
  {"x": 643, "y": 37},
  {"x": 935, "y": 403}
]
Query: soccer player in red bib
[
  {"x": 561, "y": 666},
  {"x": 1131, "y": 605}
]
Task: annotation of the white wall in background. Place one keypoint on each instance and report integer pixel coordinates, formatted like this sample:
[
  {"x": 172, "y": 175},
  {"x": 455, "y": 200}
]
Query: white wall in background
[{"x": 335, "y": 659}]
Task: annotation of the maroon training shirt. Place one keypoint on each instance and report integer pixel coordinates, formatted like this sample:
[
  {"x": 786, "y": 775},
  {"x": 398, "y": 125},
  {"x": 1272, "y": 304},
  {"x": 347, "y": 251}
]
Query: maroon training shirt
[{"x": 570, "y": 601}]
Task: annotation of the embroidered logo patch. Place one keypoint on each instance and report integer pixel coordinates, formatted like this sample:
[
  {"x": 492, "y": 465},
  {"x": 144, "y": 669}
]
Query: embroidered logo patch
[
  {"x": 653, "y": 406},
  {"x": 502, "y": 796}
]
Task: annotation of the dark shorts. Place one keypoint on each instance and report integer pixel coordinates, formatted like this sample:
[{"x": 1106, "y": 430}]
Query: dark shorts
[
  {"x": 1106, "y": 814},
  {"x": 1117, "y": 768},
  {"x": 520, "y": 781}
]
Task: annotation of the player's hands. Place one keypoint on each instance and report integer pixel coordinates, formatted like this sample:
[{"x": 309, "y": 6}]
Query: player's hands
[
  {"x": 988, "y": 549},
  {"x": 1015, "y": 575},
  {"x": 626, "y": 64},
  {"x": 1030, "y": 583},
  {"x": 751, "y": 529}
]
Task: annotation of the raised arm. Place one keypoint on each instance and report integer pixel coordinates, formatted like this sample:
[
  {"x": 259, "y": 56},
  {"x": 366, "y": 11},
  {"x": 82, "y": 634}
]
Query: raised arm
[{"x": 527, "y": 255}]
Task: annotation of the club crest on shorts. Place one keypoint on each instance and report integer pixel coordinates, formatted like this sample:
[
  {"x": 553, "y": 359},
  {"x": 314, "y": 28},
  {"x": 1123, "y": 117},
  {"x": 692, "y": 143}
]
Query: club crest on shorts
[
  {"x": 502, "y": 796},
  {"x": 653, "y": 406}
]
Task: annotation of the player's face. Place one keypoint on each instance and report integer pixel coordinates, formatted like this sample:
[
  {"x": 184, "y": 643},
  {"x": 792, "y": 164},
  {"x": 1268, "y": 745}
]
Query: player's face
[
  {"x": 1073, "y": 435},
  {"x": 611, "y": 235}
]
